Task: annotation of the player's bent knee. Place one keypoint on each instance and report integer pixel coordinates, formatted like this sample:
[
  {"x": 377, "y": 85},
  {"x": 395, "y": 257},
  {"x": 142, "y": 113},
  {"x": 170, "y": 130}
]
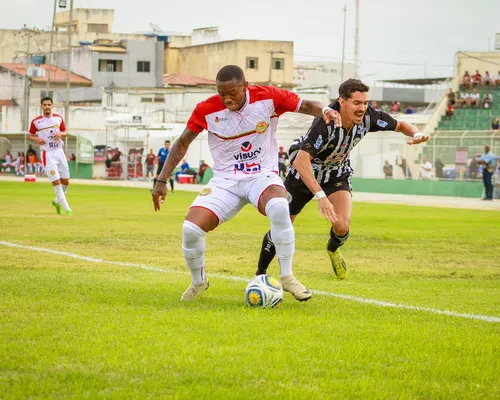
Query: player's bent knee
[
  {"x": 193, "y": 240},
  {"x": 277, "y": 209},
  {"x": 341, "y": 227}
]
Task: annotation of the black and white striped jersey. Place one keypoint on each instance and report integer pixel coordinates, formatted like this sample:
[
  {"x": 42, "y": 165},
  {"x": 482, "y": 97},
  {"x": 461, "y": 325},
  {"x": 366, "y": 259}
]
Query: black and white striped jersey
[{"x": 330, "y": 147}]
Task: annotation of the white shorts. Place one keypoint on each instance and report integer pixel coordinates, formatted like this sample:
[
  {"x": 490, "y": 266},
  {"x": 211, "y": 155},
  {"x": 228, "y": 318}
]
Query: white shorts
[
  {"x": 55, "y": 165},
  {"x": 225, "y": 197}
]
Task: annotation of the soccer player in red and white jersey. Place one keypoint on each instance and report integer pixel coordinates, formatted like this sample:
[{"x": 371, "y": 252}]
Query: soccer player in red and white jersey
[
  {"x": 241, "y": 122},
  {"x": 48, "y": 130}
]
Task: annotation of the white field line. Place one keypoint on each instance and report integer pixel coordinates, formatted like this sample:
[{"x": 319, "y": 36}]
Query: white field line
[{"x": 379, "y": 303}]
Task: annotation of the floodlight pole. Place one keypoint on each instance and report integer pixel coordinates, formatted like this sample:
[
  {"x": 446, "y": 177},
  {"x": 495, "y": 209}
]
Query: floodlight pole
[
  {"x": 51, "y": 44},
  {"x": 343, "y": 48},
  {"x": 68, "y": 71}
]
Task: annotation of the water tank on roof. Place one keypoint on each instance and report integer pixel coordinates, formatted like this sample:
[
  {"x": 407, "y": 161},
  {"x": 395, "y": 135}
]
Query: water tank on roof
[
  {"x": 102, "y": 41},
  {"x": 163, "y": 38},
  {"x": 37, "y": 60},
  {"x": 84, "y": 43},
  {"x": 150, "y": 34}
]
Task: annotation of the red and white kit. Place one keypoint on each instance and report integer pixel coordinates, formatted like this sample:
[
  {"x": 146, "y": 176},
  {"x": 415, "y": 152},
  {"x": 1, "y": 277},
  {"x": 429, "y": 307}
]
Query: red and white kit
[
  {"x": 243, "y": 146},
  {"x": 53, "y": 158}
]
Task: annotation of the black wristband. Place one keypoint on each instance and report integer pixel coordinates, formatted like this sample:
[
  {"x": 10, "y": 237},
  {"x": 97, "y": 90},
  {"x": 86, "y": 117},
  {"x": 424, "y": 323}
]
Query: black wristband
[{"x": 157, "y": 180}]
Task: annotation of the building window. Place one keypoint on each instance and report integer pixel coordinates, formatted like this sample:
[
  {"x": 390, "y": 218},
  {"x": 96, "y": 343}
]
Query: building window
[
  {"x": 252, "y": 62},
  {"x": 110, "y": 66},
  {"x": 44, "y": 93},
  {"x": 278, "y": 63},
  {"x": 97, "y": 28},
  {"x": 143, "y": 66},
  {"x": 159, "y": 99},
  {"x": 146, "y": 99}
]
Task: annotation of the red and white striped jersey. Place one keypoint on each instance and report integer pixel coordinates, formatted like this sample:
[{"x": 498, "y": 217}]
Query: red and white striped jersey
[
  {"x": 46, "y": 128},
  {"x": 243, "y": 143}
]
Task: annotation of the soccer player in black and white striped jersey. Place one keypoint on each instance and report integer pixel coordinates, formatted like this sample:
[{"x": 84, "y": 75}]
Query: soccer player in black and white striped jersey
[{"x": 320, "y": 167}]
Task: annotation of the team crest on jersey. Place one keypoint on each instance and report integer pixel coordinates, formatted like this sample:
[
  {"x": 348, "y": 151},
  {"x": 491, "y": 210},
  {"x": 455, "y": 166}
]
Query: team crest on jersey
[
  {"x": 52, "y": 172},
  {"x": 381, "y": 123},
  {"x": 205, "y": 192},
  {"x": 261, "y": 127},
  {"x": 56, "y": 126},
  {"x": 216, "y": 120}
]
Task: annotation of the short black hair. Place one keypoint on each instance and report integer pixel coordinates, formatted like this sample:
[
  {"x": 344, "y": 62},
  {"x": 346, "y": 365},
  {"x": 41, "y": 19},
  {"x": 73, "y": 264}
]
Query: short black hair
[
  {"x": 167, "y": 141},
  {"x": 350, "y": 86},
  {"x": 230, "y": 72},
  {"x": 45, "y": 98}
]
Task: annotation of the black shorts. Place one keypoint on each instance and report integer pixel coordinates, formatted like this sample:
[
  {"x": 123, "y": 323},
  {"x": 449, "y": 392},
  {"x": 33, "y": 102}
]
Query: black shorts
[
  {"x": 160, "y": 167},
  {"x": 299, "y": 194}
]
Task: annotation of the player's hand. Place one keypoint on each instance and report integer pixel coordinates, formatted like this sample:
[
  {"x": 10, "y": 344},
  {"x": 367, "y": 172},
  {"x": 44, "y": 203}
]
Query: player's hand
[
  {"x": 57, "y": 137},
  {"x": 326, "y": 209},
  {"x": 331, "y": 115},
  {"x": 158, "y": 193},
  {"x": 418, "y": 138}
]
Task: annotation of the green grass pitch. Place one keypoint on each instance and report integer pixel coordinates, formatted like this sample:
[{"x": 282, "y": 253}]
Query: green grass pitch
[{"x": 80, "y": 329}]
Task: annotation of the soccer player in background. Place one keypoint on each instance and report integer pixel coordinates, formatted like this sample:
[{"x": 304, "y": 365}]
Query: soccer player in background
[
  {"x": 48, "y": 130},
  {"x": 162, "y": 157},
  {"x": 241, "y": 122},
  {"x": 321, "y": 167}
]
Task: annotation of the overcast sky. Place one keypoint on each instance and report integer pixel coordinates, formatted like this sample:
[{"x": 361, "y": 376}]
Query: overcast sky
[{"x": 398, "y": 38}]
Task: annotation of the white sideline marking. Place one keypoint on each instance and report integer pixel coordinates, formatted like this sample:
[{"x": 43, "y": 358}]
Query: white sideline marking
[{"x": 374, "y": 302}]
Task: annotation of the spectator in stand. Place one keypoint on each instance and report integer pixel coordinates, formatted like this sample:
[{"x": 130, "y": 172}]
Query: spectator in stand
[
  {"x": 474, "y": 98},
  {"x": 72, "y": 157},
  {"x": 8, "y": 162},
  {"x": 384, "y": 108},
  {"x": 452, "y": 97},
  {"x": 404, "y": 167},
  {"x": 395, "y": 107},
  {"x": 477, "y": 79},
  {"x": 439, "y": 165},
  {"x": 426, "y": 169},
  {"x": 32, "y": 167},
  {"x": 409, "y": 110},
  {"x": 387, "y": 170},
  {"x": 464, "y": 99},
  {"x": 201, "y": 171},
  {"x": 184, "y": 167},
  {"x": 497, "y": 79},
  {"x": 495, "y": 126},
  {"x": 466, "y": 81},
  {"x": 488, "y": 80},
  {"x": 450, "y": 111},
  {"x": 374, "y": 104},
  {"x": 282, "y": 162},
  {"x": 18, "y": 164},
  {"x": 150, "y": 164},
  {"x": 487, "y": 100}
]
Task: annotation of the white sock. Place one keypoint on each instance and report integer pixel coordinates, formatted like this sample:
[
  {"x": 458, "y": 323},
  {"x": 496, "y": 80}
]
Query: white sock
[
  {"x": 65, "y": 189},
  {"x": 61, "y": 198},
  {"x": 282, "y": 233},
  {"x": 193, "y": 247}
]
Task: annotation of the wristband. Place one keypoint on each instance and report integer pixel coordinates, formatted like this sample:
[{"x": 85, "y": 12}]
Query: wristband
[
  {"x": 157, "y": 180},
  {"x": 324, "y": 109},
  {"x": 320, "y": 195}
]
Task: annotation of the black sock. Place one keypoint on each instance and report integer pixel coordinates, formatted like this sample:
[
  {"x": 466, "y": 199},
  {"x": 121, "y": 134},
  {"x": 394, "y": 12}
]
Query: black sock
[
  {"x": 267, "y": 253},
  {"x": 336, "y": 241},
  {"x": 172, "y": 184}
]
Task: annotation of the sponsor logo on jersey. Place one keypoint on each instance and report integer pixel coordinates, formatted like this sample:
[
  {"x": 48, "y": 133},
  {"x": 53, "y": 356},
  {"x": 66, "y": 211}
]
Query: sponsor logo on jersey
[
  {"x": 246, "y": 147},
  {"x": 217, "y": 119},
  {"x": 261, "y": 127},
  {"x": 381, "y": 123},
  {"x": 205, "y": 192},
  {"x": 247, "y": 153},
  {"x": 247, "y": 168},
  {"x": 318, "y": 143}
]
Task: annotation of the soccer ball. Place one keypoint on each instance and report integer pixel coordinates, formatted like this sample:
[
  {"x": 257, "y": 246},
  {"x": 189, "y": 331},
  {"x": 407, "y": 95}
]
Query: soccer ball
[{"x": 264, "y": 291}]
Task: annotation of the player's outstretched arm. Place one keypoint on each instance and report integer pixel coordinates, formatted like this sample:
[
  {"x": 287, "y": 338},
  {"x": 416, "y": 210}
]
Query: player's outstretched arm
[
  {"x": 177, "y": 153},
  {"x": 412, "y": 131},
  {"x": 302, "y": 164},
  {"x": 316, "y": 109}
]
